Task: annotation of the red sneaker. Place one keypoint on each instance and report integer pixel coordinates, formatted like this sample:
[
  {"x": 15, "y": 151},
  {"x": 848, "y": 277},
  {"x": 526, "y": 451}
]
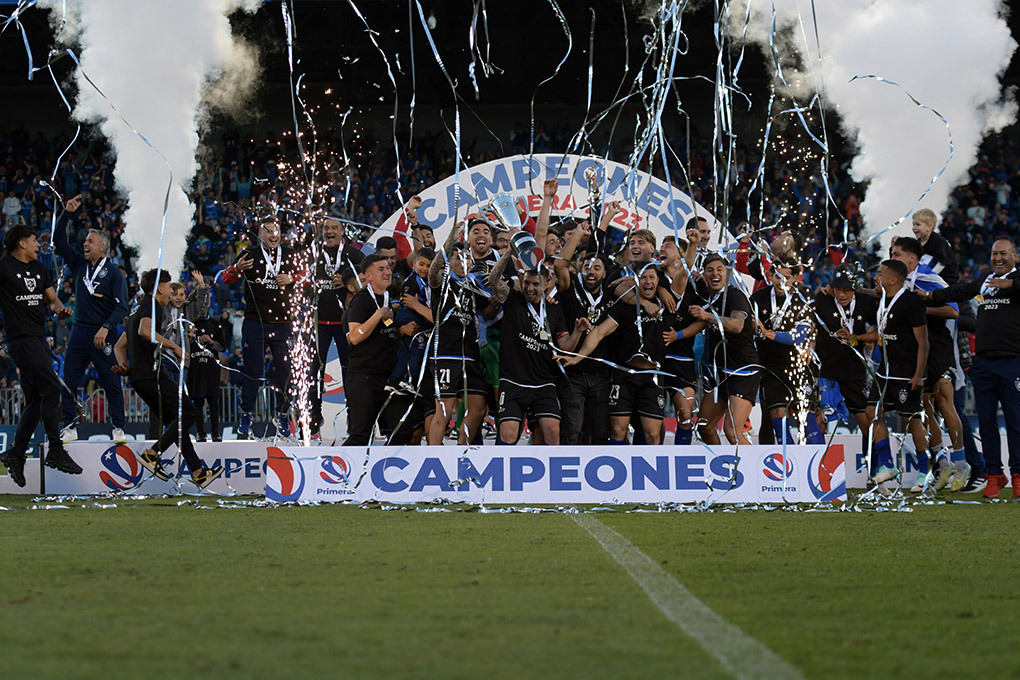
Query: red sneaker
[
  {"x": 1016, "y": 484},
  {"x": 995, "y": 484}
]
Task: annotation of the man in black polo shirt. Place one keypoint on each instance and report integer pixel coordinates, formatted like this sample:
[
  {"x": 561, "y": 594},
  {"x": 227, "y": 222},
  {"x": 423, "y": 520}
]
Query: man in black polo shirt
[
  {"x": 903, "y": 341},
  {"x": 138, "y": 354},
  {"x": 527, "y": 371},
  {"x": 371, "y": 335},
  {"x": 996, "y": 369},
  {"x": 26, "y": 289},
  {"x": 730, "y": 354}
]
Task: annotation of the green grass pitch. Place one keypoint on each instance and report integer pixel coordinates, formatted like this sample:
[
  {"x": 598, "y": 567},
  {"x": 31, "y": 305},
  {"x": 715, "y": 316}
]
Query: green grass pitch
[{"x": 150, "y": 589}]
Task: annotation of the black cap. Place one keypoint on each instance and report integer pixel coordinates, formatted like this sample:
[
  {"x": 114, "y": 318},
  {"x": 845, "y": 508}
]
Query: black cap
[{"x": 843, "y": 279}]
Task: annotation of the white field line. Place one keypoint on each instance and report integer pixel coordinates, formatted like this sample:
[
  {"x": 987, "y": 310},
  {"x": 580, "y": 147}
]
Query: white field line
[{"x": 739, "y": 653}]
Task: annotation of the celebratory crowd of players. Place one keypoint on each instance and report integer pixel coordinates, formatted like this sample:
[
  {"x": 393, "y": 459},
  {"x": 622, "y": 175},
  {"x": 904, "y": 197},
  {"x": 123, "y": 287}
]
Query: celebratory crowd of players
[{"x": 574, "y": 339}]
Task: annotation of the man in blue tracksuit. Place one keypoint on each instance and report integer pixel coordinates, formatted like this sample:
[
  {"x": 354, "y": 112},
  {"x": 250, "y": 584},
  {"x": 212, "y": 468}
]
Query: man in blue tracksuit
[{"x": 102, "y": 303}]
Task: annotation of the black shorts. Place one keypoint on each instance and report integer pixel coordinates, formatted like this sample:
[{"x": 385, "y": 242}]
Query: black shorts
[
  {"x": 735, "y": 385},
  {"x": 939, "y": 367},
  {"x": 682, "y": 373},
  {"x": 516, "y": 402},
  {"x": 898, "y": 396},
  {"x": 776, "y": 391},
  {"x": 630, "y": 394},
  {"x": 854, "y": 395},
  {"x": 452, "y": 373}
]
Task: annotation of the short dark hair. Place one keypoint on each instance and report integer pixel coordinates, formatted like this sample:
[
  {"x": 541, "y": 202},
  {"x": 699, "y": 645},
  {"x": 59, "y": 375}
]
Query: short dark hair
[
  {"x": 148, "y": 282},
  {"x": 693, "y": 222},
  {"x": 896, "y": 267},
  {"x": 714, "y": 257},
  {"x": 371, "y": 259},
  {"x": 423, "y": 227},
  {"x": 14, "y": 235},
  {"x": 385, "y": 242},
  {"x": 427, "y": 253},
  {"x": 909, "y": 244}
]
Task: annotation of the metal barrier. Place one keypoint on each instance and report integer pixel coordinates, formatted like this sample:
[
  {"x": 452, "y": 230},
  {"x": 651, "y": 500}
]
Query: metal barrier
[{"x": 12, "y": 402}]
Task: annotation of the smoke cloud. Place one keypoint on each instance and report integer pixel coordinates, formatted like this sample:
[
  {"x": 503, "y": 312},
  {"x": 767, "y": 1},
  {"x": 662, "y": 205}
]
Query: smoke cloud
[
  {"x": 947, "y": 54},
  {"x": 153, "y": 61}
]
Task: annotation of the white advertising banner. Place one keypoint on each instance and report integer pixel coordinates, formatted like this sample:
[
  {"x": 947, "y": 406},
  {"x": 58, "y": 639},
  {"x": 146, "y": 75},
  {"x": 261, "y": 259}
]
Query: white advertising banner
[
  {"x": 114, "y": 468},
  {"x": 561, "y": 474}
]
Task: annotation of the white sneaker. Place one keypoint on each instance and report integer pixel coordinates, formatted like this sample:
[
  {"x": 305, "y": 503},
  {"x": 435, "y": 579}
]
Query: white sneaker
[
  {"x": 118, "y": 436},
  {"x": 923, "y": 483},
  {"x": 69, "y": 434}
]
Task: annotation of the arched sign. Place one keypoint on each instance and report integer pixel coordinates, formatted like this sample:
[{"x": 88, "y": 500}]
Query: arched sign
[{"x": 647, "y": 201}]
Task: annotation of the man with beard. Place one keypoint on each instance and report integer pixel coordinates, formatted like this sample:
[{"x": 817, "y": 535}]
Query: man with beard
[
  {"x": 334, "y": 258},
  {"x": 25, "y": 289},
  {"x": 527, "y": 369},
  {"x": 641, "y": 347},
  {"x": 732, "y": 383},
  {"x": 267, "y": 268}
]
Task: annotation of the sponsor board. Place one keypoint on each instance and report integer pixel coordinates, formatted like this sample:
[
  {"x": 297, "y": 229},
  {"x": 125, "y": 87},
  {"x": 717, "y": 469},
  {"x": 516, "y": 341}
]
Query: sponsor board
[
  {"x": 590, "y": 474},
  {"x": 114, "y": 468}
]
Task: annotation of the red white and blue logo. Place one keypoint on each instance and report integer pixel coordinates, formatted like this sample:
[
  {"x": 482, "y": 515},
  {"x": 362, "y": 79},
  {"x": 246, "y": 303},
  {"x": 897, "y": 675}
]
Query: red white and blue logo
[
  {"x": 827, "y": 474},
  {"x": 122, "y": 471},
  {"x": 334, "y": 470},
  {"x": 285, "y": 478},
  {"x": 774, "y": 469}
]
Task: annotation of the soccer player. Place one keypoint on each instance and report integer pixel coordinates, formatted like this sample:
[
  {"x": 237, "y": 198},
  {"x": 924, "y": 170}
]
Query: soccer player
[
  {"x": 207, "y": 344},
  {"x": 585, "y": 416},
  {"x": 268, "y": 272},
  {"x": 102, "y": 303},
  {"x": 938, "y": 384},
  {"x": 641, "y": 347},
  {"x": 903, "y": 346},
  {"x": 786, "y": 333},
  {"x": 680, "y": 337},
  {"x": 846, "y": 322},
  {"x": 996, "y": 369},
  {"x": 26, "y": 289},
  {"x": 527, "y": 370},
  {"x": 138, "y": 355},
  {"x": 733, "y": 364},
  {"x": 455, "y": 359}
]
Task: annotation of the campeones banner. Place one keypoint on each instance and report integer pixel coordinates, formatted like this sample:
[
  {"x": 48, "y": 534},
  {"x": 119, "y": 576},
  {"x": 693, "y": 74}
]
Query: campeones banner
[
  {"x": 590, "y": 474},
  {"x": 648, "y": 202}
]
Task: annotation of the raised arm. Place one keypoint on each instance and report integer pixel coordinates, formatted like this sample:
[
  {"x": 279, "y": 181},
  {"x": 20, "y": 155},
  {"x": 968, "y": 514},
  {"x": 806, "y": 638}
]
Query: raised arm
[
  {"x": 549, "y": 188},
  {"x": 499, "y": 287},
  {"x": 60, "y": 242},
  {"x": 606, "y": 328}
]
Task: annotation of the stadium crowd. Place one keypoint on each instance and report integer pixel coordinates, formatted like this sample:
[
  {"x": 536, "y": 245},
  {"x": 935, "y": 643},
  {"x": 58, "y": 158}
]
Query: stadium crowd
[{"x": 586, "y": 345}]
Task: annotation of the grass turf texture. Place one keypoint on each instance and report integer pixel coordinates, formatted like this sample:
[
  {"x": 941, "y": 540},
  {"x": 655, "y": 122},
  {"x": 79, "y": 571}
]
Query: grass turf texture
[{"x": 150, "y": 589}]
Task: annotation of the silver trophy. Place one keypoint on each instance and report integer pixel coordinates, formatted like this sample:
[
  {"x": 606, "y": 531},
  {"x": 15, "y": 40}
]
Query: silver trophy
[
  {"x": 522, "y": 244},
  {"x": 504, "y": 208}
]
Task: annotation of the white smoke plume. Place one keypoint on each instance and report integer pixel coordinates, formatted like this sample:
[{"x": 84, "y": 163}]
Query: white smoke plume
[
  {"x": 152, "y": 61},
  {"x": 946, "y": 53}
]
